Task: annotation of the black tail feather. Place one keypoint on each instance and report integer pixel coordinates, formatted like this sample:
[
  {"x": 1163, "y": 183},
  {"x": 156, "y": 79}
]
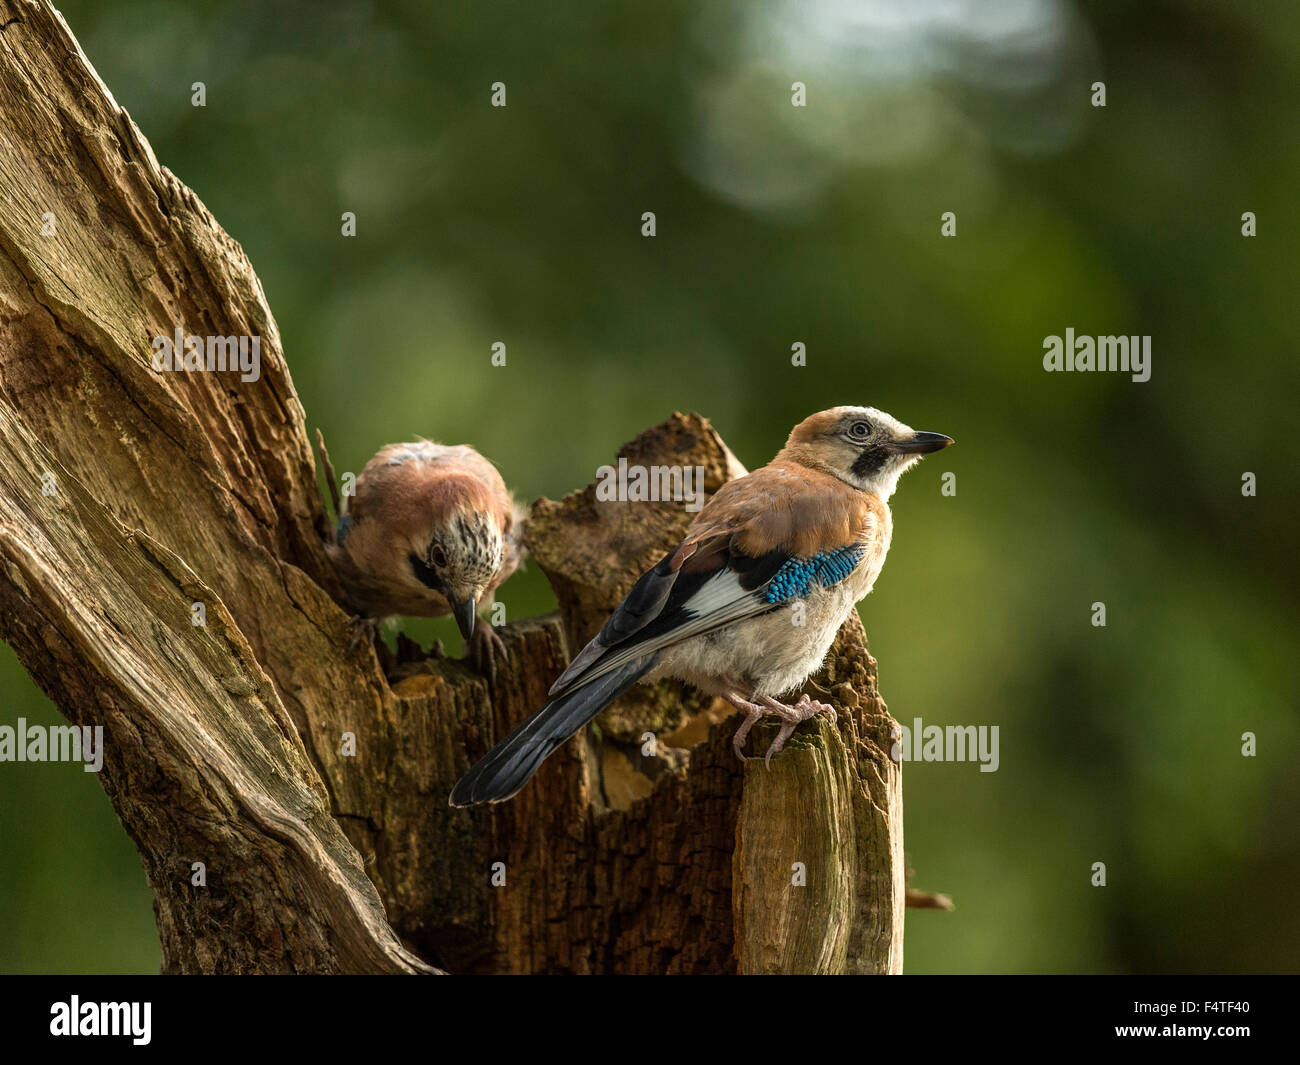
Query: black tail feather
[{"x": 506, "y": 768}]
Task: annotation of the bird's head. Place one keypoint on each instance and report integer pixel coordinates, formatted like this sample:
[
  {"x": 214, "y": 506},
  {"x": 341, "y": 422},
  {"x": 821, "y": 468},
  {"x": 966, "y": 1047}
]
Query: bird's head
[
  {"x": 861, "y": 445},
  {"x": 462, "y": 554}
]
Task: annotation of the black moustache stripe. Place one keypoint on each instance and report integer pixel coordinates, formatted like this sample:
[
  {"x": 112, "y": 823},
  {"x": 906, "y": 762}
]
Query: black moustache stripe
[
  {"x": 870, "y": 461},
  {"x": 426, "y": 574}
]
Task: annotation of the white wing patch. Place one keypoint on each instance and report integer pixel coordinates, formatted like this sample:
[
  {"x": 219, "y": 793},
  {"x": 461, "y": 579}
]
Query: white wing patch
[{"x": 718, "y": 602}]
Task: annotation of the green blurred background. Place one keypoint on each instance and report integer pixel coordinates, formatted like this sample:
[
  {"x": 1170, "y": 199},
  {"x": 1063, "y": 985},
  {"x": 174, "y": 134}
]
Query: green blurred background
[{"x": 821, "y": 225}]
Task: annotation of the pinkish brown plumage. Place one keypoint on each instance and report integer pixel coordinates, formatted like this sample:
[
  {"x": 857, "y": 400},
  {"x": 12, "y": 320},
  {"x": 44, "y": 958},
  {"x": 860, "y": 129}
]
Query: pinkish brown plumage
[{"x": 431, "y": 530}]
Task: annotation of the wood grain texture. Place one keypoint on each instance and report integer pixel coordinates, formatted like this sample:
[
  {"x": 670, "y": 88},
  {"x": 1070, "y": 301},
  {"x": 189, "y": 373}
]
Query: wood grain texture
[{"x": 168, "y": 489}]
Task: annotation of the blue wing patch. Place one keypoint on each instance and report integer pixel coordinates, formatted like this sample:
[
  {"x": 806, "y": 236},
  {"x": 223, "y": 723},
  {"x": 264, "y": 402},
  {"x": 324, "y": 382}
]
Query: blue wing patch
[
  {"x": 799, "y": 576},
  {"x": 345, "y": 527}
]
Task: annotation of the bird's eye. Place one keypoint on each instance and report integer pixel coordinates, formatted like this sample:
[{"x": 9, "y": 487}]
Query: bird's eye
[
  {"x": 438, "y": 557},
  {"x": 859, "y": 430}
]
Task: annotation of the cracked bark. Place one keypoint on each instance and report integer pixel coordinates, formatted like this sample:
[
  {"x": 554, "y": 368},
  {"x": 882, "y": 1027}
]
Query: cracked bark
[{"x": 223, "y": 741}]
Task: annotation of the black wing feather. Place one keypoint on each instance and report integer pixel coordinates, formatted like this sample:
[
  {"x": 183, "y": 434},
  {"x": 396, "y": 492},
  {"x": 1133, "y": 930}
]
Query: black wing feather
[{"x": 658, "y": 603}]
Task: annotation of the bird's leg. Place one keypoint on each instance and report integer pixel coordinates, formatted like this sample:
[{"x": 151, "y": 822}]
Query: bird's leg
[
  {"x": 363, "y": 629},
  {"x": 752, "y": 712},
  {"x": 765, "y": 706},
  {"x": 484, "y": 647}
]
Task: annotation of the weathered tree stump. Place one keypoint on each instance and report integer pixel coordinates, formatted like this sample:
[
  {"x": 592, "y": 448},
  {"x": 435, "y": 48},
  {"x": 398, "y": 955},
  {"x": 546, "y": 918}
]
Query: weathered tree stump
[{"x": 226, "y": 741}]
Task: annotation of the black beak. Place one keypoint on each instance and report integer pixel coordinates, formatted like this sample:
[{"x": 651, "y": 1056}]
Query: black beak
[
  {"x": 464, "y": 614},
  {"x": 920, "y": 443}
]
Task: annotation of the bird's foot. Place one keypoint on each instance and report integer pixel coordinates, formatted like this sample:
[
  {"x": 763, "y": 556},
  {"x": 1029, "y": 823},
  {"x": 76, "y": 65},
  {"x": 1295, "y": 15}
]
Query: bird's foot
[
  {"x": 765, "y": 706},
  {"x": 364, "y": 629},
  {"x": 485, "y": 648}
]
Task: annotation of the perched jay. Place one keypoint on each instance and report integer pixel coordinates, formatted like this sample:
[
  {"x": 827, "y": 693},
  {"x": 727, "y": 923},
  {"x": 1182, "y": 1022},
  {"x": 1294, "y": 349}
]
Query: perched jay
[
  {"x": 810, "y": 530},
  {"x": 431, "y": 530}
]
